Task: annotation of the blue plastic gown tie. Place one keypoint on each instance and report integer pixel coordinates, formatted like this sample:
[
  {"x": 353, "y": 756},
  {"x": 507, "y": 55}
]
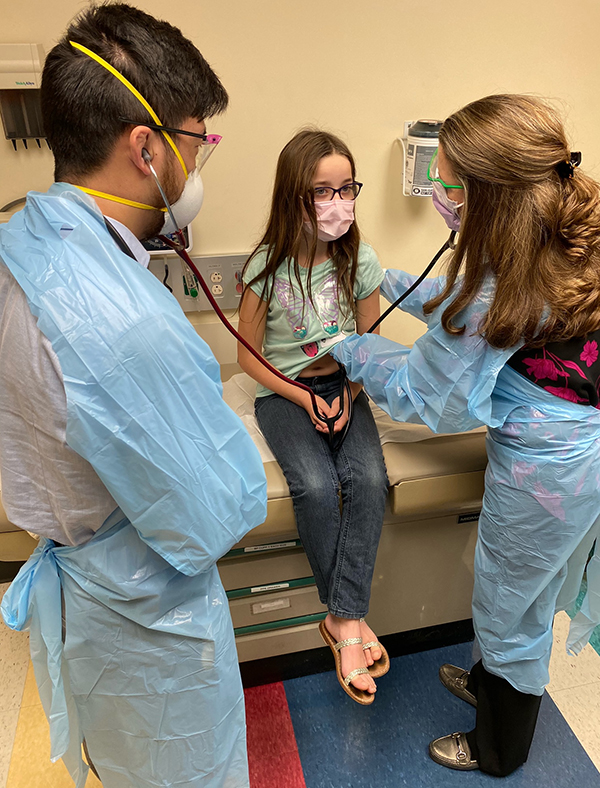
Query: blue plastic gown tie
[{"x": 34, "y": 602}]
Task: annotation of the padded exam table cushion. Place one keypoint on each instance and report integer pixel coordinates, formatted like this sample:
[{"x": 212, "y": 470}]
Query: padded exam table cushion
[{"x": 429, "y": 474}]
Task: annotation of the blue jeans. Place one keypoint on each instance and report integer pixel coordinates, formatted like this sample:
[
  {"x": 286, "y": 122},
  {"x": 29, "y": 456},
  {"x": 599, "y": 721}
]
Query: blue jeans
[{"x": 341, "y": 545}]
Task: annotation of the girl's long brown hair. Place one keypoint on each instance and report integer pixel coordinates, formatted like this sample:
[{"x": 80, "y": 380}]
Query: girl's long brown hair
[
  {"x": 284, "y": 234},
  {"x": 538, "y": 233}
]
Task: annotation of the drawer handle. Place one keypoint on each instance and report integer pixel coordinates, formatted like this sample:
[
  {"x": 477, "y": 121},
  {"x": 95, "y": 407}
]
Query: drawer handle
[
  {"x": 271, "y": 587},
  {"x": 268, "y": 607},
  {"x": 262, "y": 548}
]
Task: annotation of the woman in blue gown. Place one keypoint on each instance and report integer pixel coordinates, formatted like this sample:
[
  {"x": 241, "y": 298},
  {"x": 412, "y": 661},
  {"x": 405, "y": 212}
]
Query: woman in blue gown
[{"x": 512, "y": 341}]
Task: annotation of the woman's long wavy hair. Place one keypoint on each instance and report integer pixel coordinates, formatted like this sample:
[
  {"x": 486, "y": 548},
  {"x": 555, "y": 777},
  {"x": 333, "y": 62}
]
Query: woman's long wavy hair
[
  {"x": 536, "y": 231},
  {"x": 292, "y": 202}
]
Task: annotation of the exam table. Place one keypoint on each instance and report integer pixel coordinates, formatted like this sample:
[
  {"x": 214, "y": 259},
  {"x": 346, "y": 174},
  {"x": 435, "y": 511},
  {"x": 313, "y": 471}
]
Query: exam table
[{"x": 424, "y": 571}]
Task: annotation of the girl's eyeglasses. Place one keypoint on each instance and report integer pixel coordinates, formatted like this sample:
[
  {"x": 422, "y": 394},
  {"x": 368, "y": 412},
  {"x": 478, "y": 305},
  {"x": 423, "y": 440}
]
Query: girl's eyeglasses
[
  {"x": 434, "y": 176},
  {"x": 349, "y": 191}
]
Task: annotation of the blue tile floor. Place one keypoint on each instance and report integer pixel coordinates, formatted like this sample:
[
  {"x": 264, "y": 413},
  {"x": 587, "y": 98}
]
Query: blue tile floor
[{"x": 345, "y": 745}]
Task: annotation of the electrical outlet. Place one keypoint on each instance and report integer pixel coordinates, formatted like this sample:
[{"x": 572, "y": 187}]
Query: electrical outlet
[{"x": 223, "y": 274}]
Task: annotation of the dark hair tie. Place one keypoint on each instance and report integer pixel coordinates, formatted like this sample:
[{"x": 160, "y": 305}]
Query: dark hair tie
[{"x": 566, "y": 168}]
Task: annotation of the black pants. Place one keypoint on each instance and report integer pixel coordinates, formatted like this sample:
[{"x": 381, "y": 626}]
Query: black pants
[{"x": 505, "y": 723}]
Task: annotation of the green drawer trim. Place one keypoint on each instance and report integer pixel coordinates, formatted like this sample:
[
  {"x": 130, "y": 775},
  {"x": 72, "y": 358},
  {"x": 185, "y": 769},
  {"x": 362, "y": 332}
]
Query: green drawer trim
[
  {"x": 282, "y": 624},
  {"x": 285, "y": 585},
  {"x": 261, "y": 549}
]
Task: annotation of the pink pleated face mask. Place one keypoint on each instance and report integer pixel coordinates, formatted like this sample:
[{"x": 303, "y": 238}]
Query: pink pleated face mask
[
  {"x": 334, "y": 219},
  {"x": 446, "y": 207}
]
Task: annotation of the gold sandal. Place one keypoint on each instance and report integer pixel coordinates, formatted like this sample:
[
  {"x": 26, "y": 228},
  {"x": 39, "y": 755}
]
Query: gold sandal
[
  {"x": 381, "y": 666},
  {"x": 360, "y": 696}
]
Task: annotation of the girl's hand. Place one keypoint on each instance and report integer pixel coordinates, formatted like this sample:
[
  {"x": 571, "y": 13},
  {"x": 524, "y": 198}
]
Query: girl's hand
[
  {"x": 306, "y": 403},
  {"x": 334, "y": 410}
]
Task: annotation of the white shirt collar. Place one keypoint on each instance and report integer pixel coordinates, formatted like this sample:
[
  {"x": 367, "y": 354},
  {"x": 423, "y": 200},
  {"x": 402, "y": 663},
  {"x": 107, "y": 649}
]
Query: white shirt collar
[{"x": 140, "y": 254}]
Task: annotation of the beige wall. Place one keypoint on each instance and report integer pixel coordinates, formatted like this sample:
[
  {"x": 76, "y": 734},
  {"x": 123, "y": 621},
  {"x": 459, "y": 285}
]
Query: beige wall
[{"x": 358, "y": 68}]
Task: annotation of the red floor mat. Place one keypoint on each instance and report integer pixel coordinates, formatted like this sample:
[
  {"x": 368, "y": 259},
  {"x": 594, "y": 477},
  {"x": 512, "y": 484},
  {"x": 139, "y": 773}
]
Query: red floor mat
[{"x": 272, "y": 751}]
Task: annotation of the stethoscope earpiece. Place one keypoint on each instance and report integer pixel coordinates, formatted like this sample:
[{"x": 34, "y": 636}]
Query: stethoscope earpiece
[{"x": 148, "y": 159}]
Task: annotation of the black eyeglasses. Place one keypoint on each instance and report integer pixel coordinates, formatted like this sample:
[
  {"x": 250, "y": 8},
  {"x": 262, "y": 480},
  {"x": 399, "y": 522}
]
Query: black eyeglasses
[
  {"x": 155, "y": 127},
  {"x": 349, "y": 191}
]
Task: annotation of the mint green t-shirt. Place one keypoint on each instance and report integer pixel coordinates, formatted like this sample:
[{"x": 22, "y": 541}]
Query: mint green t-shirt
[{"x": 297, "y": 333}]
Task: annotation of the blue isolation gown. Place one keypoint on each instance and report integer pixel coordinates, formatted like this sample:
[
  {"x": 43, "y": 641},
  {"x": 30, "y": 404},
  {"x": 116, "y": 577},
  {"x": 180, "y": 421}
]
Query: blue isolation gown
[
  {"x": 541, "y": 506},
  {"x": 147, "y": 672}
]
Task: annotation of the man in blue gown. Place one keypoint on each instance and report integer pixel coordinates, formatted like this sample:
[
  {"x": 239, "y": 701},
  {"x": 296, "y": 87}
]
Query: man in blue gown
[{"x": 116, "y": 447}]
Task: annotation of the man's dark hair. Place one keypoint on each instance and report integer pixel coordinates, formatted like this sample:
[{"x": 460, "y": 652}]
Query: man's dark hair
[{"x": 82, "y": 101}]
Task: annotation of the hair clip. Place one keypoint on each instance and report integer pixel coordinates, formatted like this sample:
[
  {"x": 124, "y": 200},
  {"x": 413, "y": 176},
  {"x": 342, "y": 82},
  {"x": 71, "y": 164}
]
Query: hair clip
[{"x": 566, "y": 168}]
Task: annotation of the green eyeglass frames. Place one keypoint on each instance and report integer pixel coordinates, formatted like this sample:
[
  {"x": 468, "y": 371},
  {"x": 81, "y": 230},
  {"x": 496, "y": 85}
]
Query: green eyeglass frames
[{"x": 434, "y": 176}]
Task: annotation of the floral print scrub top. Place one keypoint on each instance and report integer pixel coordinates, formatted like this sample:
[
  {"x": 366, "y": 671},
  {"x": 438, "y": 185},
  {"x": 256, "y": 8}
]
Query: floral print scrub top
[{"x": 570, "y": 369}]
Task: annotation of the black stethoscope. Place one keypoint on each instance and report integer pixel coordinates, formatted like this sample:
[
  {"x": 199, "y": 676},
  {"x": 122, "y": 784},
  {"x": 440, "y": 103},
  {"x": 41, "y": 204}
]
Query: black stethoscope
[
  {"x": 176, "y": 241},
  {"x": 449, "y": 244},
  {"x": 336, "y": 439}
]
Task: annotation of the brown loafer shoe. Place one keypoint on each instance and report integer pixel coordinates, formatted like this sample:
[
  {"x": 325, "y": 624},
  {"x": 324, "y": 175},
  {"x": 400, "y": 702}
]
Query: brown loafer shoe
[
  {"x": 455, "y": 679},
  {"x": 453, "y": 751}
]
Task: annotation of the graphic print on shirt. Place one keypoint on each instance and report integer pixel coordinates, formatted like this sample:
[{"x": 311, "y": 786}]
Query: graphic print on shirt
[
  {"x": 300, "y": 313},
  {"x": 312, "y": 348},
  {"x": 578, "y": 384}
]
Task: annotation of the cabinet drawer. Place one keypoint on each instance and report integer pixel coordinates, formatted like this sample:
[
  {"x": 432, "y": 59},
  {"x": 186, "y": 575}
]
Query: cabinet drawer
[
  {"x": 261, "y": 569},
  {"x": 275, "y": 606},
  {"x": 414, "y": 499}
]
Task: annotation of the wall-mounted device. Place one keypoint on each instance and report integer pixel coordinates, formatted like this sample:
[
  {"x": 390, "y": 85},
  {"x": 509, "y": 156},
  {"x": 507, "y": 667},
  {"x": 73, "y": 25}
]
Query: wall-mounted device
[
  {"x": 419, "y": 143},
  {"x": 20, "y": 82},
  {"x": 222, "y": 273},
  {"x": 171, "y": 264},
  {"x": 156, "y": 246}
]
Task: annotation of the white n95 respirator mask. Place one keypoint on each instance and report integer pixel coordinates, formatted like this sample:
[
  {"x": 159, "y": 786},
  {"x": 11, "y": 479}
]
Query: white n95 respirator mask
[{"x": 187, "y": 207}]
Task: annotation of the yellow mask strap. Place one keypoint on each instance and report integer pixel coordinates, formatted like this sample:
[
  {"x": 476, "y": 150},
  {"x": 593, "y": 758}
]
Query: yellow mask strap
[
  {"x": 121, "y": 200},
  {"x": 138, "y": 96}
]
